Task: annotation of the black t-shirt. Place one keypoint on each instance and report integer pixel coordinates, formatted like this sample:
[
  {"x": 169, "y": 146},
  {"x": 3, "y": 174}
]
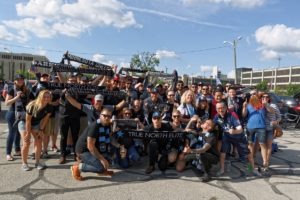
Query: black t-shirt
[
  {"x": 211, "y": 138},
  {"x": 70, "y": 110},
  {"x": 97, "y": 131},
  {"x": 24, "y": 99},
  {"x": 36, "y": 118}
]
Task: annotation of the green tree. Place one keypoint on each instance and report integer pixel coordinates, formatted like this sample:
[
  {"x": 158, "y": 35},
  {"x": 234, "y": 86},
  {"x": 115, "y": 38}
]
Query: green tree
[
  {"x": 144, "y": 61},
  {"x": 262, "y": 86},
  {"x": 291, "y": 90},
  {"x": 26, "y": 74}
]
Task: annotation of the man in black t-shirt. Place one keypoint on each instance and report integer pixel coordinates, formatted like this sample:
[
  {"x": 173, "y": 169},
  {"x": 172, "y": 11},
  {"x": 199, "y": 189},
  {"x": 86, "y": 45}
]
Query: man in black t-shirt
[
  {"x": 93, "y": 147},
  {"x": 158, "y": 146},
  {"x": 206, "y": 155}
]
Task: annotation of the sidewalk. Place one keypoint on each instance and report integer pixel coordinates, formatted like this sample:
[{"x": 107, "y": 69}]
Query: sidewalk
[{"x": 56, "y": 181}]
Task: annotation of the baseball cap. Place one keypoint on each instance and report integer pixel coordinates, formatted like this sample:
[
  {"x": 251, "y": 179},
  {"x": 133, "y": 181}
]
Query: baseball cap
[
  {"x": 150, "y": 86},
  {"x": 154, "y": 90},
  {"x": 202, "y": 98},
  {"x": 156, "y": 114},
  {"x": 98, "y": 97},
  {"x": 19, "y": 76}
]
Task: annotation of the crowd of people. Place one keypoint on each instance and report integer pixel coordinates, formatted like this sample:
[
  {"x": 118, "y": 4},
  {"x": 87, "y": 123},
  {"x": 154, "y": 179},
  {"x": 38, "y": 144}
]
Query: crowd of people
[{"x": 217, "y": 124}]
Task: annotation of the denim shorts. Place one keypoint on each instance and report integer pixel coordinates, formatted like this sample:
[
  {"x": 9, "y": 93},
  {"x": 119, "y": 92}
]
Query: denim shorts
[
  {"x": 22, "y": 127},
  {"x": 269, "y": 134},
  {"x": 258, "y": 134},
  {"x": 239, "y": 141}
]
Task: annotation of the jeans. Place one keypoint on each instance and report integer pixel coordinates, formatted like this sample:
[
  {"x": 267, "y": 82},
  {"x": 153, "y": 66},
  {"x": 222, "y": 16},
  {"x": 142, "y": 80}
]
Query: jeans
[
  {"x": 90, "y": 163},
  {"x": 132, "y": 155},
  {"x": 13, "y": 134}
]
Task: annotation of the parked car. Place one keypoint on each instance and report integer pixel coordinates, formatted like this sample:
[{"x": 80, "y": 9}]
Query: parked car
[
  {"x": 277, "y": 100},
  {"x": 289, "y": 101}
]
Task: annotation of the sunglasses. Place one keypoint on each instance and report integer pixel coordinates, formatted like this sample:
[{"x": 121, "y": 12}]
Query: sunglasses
[
  {"x": 106, "y": 116},
  {"x": 176, "y": 116}
]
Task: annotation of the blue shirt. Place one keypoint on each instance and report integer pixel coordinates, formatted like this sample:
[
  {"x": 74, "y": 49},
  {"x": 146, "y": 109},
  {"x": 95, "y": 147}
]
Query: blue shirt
[
  {"x": 229, "y": 121},
  {"x": 256, "y": 118}
]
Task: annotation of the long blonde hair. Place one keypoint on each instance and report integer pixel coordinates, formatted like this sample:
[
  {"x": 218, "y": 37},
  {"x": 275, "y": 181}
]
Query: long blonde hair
[
  {"x": 184, "y": 96},
  {"x": 37, "y": 104}
]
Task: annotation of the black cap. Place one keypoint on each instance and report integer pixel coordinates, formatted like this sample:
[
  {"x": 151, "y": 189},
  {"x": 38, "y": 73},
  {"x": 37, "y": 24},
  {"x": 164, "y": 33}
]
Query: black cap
[
  {"x": 154, "y": 90},
  {"x": 19, "y": 76}
]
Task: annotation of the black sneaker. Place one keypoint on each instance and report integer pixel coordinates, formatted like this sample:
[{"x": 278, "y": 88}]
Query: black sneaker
[
  {"x": 149, "y": 169},
  {"x": 206, "y": 178}
]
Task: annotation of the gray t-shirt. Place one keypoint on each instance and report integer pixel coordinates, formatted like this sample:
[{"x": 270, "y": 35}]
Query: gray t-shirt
[{"x": 91, "y": 113}]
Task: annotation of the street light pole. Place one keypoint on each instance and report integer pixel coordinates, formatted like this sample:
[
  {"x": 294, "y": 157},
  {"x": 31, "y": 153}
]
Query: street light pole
[{"x": 233, "y": 44}]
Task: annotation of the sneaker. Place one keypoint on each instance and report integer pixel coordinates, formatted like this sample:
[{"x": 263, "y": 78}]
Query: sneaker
[
  {"x": 206, "y": 178},
  {"x": 45, "y": 155},
  {"x": 76, "y": 173},
  {"x": 149, "y": 169},
  {"x": 255, "y": 172},
  {"x": 265, "y": 171},
  {"x": 39, "y": 166},
  {"x": 220, "y": 173},
  {"x": 62, "y": 160},
  {"x": 25, "y": 167}
]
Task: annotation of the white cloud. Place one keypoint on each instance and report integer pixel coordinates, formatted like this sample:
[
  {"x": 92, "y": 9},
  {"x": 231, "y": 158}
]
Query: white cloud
[
  {"x": 205, "y": 68},
  {"x": 38, "y": 26},
  {"x": 278, "y": 40},
  {"x": 165, "y": 54},
  {"x": 4, "y": 34},
  {"x": 102, "y": 59},
  {"x": 231, "y": 74},
  {"x": 47, "y": 18},
  {"x": 21, "y": 36},
  {"x": 41, "y": 51},
  {"x": 39, "y": 8},
  {"x": 246, "y": 4}
]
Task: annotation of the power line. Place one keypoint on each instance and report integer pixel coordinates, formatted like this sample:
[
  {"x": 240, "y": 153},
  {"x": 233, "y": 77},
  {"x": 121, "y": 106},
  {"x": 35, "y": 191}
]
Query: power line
[{"x": 106, "y": 54}]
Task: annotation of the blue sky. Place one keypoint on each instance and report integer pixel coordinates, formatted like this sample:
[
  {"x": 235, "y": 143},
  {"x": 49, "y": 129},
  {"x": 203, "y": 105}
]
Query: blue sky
[{"x": 186, "y": 35}]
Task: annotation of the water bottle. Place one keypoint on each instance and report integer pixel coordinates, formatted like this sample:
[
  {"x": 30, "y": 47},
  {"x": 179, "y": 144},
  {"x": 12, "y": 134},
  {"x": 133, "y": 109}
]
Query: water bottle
[{"x": 249, "y": 167}]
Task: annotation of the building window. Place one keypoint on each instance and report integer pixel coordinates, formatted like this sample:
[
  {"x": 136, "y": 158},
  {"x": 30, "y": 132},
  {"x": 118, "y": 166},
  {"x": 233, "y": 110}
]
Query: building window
[
  {"x": 246, "y": 75},
  {"x": 269, "y": 73},
  {"x": 296, "y": 71},
  {"x": 295, "y": 79},
  {"x": 282, "y": 80},
  {"x": 283, "y": 72},
  {"x": 257, "y": 74}
]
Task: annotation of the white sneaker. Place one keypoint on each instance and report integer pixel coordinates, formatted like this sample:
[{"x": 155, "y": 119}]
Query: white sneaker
[
  {"x": 25, "y": 167},
  {"x": 39, "y": 166}
]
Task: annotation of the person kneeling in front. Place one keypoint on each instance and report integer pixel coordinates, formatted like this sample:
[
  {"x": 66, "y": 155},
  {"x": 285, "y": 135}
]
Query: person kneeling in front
[{"x": 94, "y": 147}]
